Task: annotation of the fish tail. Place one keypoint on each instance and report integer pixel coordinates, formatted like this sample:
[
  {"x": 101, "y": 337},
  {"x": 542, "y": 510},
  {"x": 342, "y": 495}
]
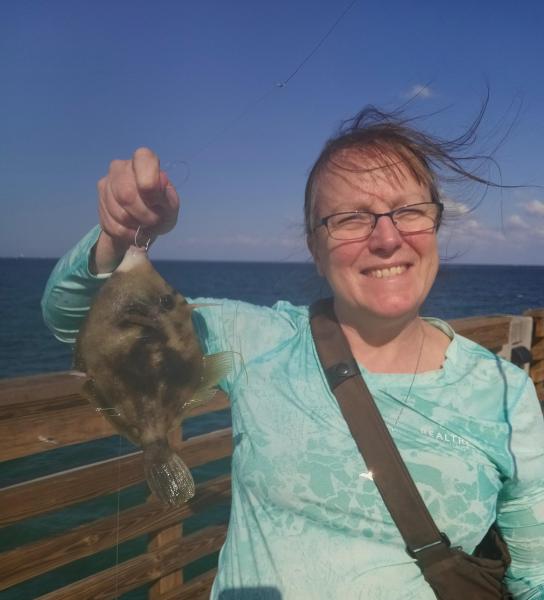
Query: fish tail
[{"x": 167, "y": 475}]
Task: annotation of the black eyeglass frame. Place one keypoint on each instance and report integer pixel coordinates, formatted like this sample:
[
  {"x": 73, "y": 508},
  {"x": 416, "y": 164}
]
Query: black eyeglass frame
[{"x": 325, "y": 220}]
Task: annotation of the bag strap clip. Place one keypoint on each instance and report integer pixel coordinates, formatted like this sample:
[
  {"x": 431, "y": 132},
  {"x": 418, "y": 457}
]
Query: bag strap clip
[{"x": 444, "y": 539}]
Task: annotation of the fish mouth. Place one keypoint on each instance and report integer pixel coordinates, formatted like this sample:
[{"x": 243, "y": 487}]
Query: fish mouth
[{"x": 386, "y": 271}]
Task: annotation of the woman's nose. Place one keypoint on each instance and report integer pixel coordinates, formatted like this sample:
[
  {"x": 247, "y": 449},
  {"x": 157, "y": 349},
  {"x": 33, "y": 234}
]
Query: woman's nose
[{"x": 385, "y": 237}]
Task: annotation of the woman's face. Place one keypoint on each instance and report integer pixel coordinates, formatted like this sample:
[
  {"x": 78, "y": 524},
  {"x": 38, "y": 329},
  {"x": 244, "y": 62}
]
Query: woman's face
[{"x": 388, "y": 275}]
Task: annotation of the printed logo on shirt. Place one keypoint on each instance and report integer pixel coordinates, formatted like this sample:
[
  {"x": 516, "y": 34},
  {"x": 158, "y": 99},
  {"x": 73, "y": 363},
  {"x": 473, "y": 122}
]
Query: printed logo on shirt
[{"x": 446, "y": 437}]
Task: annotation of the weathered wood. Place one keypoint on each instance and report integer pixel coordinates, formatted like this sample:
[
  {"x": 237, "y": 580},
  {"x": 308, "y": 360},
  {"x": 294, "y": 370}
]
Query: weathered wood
[
  {"x": 173, "y": 580},
  {"x": 32, "y": 434},
  {"x": 33, "y": 388},
  {"x": 196, "y": 589},
  {"x": 537, "y": 350},
  {"x": 491, "y": 332},
  {"x": 43, "y": 412},
  {"x": 115, "y": 581},
  {"x": 538, "y": 321},
  {"x": 537, "y": 371},
  {"x": 31, "y": 560},
  {"x": 54, "y": 492}
]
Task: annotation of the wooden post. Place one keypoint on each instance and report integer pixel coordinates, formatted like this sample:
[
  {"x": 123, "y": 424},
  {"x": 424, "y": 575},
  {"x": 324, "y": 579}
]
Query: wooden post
[
  {"x": 163, "y": 538},
  {"x": 537, "y": 351}
]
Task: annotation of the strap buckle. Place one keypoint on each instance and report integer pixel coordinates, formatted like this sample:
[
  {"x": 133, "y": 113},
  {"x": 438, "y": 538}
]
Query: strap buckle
[
  {"x": 338, "y": 373},
  {"x": 444, "y": 539}
]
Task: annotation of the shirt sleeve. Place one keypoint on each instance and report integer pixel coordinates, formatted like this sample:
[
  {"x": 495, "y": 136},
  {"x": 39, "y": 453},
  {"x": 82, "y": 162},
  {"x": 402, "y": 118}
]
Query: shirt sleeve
[
  {"x": 250, "y": 332},
  {"x": 70, "y": 290},
  {"x": 520, "y": 507}
]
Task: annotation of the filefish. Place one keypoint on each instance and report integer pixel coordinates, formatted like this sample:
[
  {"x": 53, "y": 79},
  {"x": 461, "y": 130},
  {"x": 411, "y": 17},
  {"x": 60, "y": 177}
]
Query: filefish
[{"x": 144, "y": 367}]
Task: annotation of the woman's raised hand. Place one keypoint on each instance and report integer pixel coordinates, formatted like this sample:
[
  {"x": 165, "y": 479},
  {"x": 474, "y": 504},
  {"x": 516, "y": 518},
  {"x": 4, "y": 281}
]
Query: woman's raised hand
[{"x": 135, "y": 193}]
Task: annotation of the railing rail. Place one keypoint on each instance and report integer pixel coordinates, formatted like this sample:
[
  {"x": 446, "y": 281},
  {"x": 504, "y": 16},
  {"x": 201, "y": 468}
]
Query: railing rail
[{"x": 43, "y": 413}]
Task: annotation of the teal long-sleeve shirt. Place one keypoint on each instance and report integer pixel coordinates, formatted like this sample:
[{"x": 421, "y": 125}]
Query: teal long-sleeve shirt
[{"x": 307, "y": 520}]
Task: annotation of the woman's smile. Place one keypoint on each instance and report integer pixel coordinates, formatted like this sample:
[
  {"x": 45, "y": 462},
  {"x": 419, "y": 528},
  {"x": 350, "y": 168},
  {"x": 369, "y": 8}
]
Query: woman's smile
[{"x": 386, "y": 272}]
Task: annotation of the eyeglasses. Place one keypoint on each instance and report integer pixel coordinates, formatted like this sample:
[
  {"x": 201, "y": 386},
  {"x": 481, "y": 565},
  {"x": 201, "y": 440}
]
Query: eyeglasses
[{"x": 359, "y": 224}]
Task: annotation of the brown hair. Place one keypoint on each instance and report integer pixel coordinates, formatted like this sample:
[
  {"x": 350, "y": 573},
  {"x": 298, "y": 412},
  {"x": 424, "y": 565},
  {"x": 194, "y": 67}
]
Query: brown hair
[{"x": 391, "y": 139}]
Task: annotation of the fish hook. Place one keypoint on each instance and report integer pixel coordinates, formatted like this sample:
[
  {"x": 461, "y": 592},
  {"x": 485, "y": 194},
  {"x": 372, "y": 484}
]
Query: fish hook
[{"x": 146, "y": 242}]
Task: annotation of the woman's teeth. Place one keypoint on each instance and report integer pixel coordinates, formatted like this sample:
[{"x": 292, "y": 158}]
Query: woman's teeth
[{"x": 388, "y": 272}]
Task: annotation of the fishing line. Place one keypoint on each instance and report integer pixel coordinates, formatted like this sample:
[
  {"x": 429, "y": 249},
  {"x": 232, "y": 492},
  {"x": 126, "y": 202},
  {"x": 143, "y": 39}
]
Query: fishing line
[
  {"x": 276, "y": 86},
  {"x": 319, "y": 44},
  {"x": 118, "y": 524}
]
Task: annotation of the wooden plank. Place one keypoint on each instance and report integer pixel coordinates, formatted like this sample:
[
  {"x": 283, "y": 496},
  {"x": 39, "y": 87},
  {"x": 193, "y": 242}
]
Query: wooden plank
[
  {"x": 540, "y": 392},
  {"x": 173, "y": 580},
  {"x": 22, "y": 436},
  {"x": 120, "y": 579},
  {"x": 196, "y": 589},
  {"x": 538, "y": 317},
  {"x": 44, "y": 412},
  {"x": 20, "y": 390},
  {"x": 537, "y": 350},
  {"x": 491, "y": 332},
  {"x": 31, "y": 560},
  {"x": 54, "y": 492},
  {"x": 537, "y": 371}
]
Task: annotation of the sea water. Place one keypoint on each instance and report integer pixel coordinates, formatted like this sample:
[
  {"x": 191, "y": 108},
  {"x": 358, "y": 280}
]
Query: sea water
[{"x": 27, "y": 347}]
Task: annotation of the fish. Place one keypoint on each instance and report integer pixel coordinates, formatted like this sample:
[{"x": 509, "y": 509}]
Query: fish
[{"x": 144, "y": 367}]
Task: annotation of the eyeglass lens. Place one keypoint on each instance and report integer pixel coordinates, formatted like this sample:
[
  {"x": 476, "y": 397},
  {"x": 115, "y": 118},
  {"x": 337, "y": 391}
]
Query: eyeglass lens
[{"x": 407, "y": 219}]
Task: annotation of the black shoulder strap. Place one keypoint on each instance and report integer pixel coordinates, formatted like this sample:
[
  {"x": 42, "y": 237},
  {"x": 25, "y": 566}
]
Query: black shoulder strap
[{"x": 423, "y": 539}]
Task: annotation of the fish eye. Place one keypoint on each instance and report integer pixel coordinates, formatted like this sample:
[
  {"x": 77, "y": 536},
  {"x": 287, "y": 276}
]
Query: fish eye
[{"x": 167, "y": 302}]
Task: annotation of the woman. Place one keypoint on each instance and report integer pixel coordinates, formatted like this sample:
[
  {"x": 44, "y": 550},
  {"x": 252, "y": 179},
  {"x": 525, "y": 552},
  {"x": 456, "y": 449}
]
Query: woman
[{"x": 307, "y": 520}]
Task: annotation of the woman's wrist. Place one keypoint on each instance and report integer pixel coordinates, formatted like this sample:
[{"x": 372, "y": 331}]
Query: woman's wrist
[{"x": 106, "y": 254}]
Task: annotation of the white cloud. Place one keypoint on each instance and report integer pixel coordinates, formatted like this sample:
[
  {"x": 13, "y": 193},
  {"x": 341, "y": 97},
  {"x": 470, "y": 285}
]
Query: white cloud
[
  {"x": 535, "y": 207},
  {"x": 420, "y": 91},
  {"x": 453, "y": 208},
  {"x": 517, "y": 222}
]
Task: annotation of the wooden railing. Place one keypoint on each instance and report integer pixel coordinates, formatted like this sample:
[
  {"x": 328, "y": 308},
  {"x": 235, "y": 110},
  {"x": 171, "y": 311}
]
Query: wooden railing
[{"x": 41, "y": 414}]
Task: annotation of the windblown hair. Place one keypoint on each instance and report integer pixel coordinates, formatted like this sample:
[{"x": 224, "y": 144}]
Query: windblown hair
[{"x": 390, "y": 140}]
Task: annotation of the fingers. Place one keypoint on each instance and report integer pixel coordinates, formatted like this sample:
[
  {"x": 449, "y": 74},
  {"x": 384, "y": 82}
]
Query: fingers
[
  {"x": 136, "y": 193},
  {"x": 146, "y": 169}
]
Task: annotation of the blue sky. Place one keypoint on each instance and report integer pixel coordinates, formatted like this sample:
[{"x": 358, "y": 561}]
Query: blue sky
[{"x": 85, "y": 82}]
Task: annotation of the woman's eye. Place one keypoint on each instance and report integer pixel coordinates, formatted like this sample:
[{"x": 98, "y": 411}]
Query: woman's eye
[
  {"x": 167, "y": 302},
  {"x": 410, "y": 213},
  {"x": 352, "y": 218}
]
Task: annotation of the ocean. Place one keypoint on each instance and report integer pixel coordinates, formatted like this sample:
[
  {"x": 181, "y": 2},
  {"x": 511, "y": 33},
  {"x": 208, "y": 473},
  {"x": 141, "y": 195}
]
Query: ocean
[{"x": 27, "y": 347}]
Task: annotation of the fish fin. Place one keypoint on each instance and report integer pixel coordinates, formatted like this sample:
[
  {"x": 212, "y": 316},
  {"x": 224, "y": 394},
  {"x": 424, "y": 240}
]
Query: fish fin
[
  {"x": 201, "y": 396},
  {"x": 168, "y": 476},
  {"x": 216, "y": 366}
]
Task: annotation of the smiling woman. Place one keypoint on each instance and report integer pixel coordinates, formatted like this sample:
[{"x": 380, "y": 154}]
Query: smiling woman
[
  {"x": 379, "y": 281},
  {"x": 307, "y": 519}
]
